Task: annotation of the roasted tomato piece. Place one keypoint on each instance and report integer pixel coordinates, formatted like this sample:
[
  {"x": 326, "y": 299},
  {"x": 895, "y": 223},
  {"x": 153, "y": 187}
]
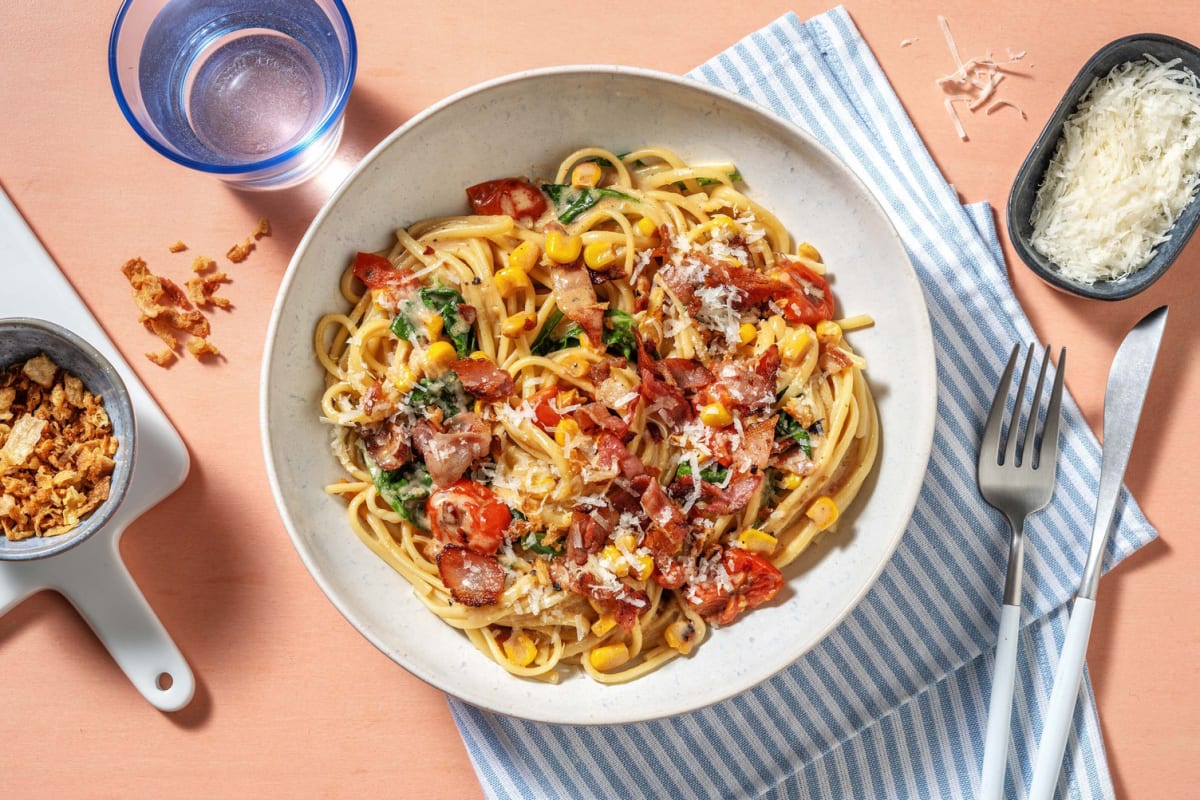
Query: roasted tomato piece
[
  {"x": 474, "y": 579},
  {"x": 753, "y": 580},
  {"x": 542, "y": 403},
  {"x": 810, "y": 300},
  {"x": 512, "y": 196},
  {"x": 376, "y": 272},
  {"x": 468, "y": 514}
]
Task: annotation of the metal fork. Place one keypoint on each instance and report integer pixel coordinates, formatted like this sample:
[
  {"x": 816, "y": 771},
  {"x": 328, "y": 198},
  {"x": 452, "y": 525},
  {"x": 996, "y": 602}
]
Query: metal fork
[{"x": 1017, "y": 482}]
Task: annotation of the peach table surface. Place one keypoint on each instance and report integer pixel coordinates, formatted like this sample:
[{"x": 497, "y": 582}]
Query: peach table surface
[{"x": 291, "y": 700}]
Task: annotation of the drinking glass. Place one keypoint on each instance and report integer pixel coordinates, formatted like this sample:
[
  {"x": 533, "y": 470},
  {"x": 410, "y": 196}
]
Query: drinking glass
[{"x": 252, "y": 91}]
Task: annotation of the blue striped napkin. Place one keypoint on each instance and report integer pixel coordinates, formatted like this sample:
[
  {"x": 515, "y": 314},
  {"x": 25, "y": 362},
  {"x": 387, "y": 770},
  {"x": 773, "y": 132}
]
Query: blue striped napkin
[{"x": 893, "y": 703}]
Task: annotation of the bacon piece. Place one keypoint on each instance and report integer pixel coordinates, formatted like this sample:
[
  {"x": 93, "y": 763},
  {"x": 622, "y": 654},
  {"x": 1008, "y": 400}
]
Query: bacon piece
[
  {"x": 474, "y": 580},
  {"x": 754, "y": 452},
  {"x": 377, "y": 272},
  {"x": 613, "y": 456},
  {"x": 664, "y": 400},
  {"x": 685, "y": 373},
  {"x": 738, "y": 387},
  {"x": 576, "y": 298},
  {"x": 755, "y": 287},
  {"x": 767, "y": 366},
  {"x": 596, "y": 416},
  {"x": 483, "y": 378},
  {"x": 387, "y": 444},
  {"x": 450, "y": 453},
  {"x": 588, "y": 533},
  {"x": 669, "y": 572},
  {"x": 514, "y": 197},
  {"x": 682, "y": 286},
  {"x": 733, "y": 497},
  {"x": 669, "y": 528},
  {"x": 623, "y": 601}
]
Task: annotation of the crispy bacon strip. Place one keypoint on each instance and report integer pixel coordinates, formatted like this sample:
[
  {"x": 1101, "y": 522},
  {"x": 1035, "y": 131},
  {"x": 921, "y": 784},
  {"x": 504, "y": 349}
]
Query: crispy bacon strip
[
  {"x": 483, "y": 378},
  {"x": 576, "y": 298},
  {"x": 669, "y": 528},
  {"x": 450, "y": 453},
  {"x": 474, "y": 580},
  {"x": 663, "y": 399}
]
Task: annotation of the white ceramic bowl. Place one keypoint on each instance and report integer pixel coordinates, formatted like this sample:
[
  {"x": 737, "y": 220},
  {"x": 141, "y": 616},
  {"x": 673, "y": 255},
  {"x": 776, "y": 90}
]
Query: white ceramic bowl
[{"x": 523, "y": 125}]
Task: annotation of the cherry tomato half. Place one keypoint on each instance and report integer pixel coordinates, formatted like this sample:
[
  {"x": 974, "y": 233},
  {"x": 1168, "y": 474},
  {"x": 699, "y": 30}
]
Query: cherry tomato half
[{"x": 469, "y": 514}]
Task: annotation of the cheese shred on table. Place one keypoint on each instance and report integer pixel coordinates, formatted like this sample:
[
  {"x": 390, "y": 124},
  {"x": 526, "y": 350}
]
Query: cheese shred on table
[{"x": 1127, "y": 165}]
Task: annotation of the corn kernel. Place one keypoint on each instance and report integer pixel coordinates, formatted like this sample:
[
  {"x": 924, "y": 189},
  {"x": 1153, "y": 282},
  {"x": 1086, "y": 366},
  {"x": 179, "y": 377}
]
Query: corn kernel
[
  {"x": 434, "y": 324},
  {"x": 627, "y": 542},
  {"x": 599, "y": 255},
  {"x": 479, "y": 355},
  {"x": 615, "y": 560},
  {"x": 566, "y": 398},
  {"x": 680, "y": 636},
  {"x": 511, "y": 280},
  {"x": 520, "y": 650},
  {"x": 516, "y": 324},
  {"x": 646, "y": 227},
  {"x": 791, "y": 481},
  {"x": 725, "y": 221},
  {"x": 438, "y": 357},
  {"x": 747, "y": 333},
  {"x": 808, "y": 251},
  {"x": 829, "y": 332},
  {"x": 585, "y": 175},
  {"x": 604, "y": 624},
  {"x": 715, "y": 415},
  {"x": 609, "y": 656},
  {"x": 794, "y": 344},
  {"x": 403, "y": 379},
  {"x": 561, "y": 247},
  {"x": 823, "y": 512},
  {"x": 757, "y": 541},
  {"x": 565, "y": 429},
  {"x": 643, "y": 565},
  {"x": 524, "y": 256}
]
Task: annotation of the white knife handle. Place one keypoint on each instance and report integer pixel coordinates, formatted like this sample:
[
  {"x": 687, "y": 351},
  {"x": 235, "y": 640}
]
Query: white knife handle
[
  {"x": 1004, "y": 673},
  {"x": 1062, "y": 701}
]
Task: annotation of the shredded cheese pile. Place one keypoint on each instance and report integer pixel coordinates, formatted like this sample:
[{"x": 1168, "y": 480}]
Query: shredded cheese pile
[{"x": 1127, "y": 165}]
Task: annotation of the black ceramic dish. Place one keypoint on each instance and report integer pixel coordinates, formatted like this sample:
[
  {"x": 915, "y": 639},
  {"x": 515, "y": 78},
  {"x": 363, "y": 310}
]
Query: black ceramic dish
[
  {"x": 1029, "y": 177},
  {"x": 22, "y": 339}
]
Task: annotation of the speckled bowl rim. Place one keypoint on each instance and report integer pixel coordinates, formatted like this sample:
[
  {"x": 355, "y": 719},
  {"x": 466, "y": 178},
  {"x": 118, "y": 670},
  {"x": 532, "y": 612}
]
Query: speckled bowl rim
[{"x": 117, "y": 401}]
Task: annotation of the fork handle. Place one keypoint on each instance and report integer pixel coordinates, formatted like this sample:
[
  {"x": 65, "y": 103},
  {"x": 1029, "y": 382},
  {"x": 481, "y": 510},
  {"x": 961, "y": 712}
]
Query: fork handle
[
  {"x": 995, "y": 747},
  {"x": 1061, "y": 711}
]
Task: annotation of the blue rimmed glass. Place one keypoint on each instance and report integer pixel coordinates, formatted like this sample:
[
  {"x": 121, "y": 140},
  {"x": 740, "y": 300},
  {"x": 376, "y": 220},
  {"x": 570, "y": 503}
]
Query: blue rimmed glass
[{"x": 252, "y": 91}]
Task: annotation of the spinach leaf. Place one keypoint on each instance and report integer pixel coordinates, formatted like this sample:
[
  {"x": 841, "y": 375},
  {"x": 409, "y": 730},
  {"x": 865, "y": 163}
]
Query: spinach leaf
[
  {"x": 570, "y": 202},
  {"x": 714, "y": 474},
  {"x": 404, "y": 489},
  {"x": 734, "y": 176},
  {"x": 405, "y": 325},
  {"x": 446, "y": 301},
  {"x": 618, "y": 335},
  {"x": 789, "y": 428},
  {"x": 446, "y": 393},
  {"x": 532, "y": 542}
]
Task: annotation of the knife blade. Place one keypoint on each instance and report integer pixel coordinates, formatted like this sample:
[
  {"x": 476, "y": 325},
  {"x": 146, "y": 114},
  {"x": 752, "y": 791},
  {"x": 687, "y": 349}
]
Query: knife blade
[{"x": 1128, "y": 380}]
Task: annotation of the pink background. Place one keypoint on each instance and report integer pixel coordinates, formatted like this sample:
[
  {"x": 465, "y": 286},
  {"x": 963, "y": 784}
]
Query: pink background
[{"x": 292, "y": 701}]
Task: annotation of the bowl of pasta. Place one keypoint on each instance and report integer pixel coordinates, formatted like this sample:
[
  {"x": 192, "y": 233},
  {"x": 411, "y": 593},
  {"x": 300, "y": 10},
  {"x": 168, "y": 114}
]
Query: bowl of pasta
[{"x": 595, "y": 395}]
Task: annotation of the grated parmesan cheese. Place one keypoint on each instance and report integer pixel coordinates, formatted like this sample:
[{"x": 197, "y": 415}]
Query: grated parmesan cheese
[{"x": 1127, "y": 165}]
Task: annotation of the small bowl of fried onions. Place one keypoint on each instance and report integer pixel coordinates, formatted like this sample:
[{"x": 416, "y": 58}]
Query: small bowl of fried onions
[
  {"x": 1107, "y": 198},
  {"x": 66, "y": 439}
]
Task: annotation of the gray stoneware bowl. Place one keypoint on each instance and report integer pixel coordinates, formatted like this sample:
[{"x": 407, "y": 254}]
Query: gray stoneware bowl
[
  {"x": 1029, "y": 177},
  {"x": 22, "y": 339}
]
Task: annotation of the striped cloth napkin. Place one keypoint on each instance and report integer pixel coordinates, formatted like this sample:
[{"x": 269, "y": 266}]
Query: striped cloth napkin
[{"x": 893, "y": 703}]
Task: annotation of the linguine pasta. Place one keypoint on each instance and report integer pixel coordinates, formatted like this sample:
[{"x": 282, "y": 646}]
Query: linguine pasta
[{"x": 598, "y": 414}]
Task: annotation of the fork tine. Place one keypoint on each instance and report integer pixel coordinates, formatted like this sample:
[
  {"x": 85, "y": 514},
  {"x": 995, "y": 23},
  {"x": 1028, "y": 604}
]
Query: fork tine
[
  {"x": 1027, "y": 453},
  {"x": 991, "y": 433},
  {"x": 1010, "y": 448},
  {"x": 1050, "y": 434}
]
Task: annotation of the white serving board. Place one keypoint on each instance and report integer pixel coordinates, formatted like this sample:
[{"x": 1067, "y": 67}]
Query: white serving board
[{"x": 91, "y": 575}]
